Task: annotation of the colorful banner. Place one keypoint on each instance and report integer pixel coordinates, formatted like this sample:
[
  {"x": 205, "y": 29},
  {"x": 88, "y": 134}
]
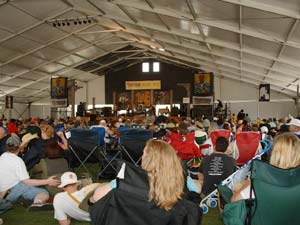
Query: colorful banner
[
  {"x": 59, "y": 89},
  {"x": 203, "y": 84},
  {"x": 143, "y": 85}
]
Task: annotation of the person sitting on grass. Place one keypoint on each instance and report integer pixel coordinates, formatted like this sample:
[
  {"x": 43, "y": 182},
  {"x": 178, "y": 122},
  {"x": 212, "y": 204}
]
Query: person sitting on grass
[
  {"x": 15, "y": 182},
  {"x": 66, "y": 204}
]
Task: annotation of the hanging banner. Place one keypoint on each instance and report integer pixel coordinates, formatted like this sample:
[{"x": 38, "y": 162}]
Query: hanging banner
[
  {"x": 264, "y": 92},
  {"x": 9, "y": 101},
  {"x": 203, "y": 84},
  {"x": 143, "y": 85},
  {"x": 59, "y": 88}
]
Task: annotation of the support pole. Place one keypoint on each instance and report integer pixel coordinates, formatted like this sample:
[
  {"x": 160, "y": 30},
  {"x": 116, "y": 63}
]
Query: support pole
[{"x": 297, "y": 100}]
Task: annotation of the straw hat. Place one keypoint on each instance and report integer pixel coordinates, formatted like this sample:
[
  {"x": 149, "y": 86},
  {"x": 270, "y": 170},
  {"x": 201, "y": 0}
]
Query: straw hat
[
  {"x": 88, "y": 192},
  {"x": 27, "y": 138}
]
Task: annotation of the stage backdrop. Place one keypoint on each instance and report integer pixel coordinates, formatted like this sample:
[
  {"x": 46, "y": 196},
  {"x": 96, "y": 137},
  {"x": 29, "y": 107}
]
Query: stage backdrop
[{"x": 169, "y": 76}]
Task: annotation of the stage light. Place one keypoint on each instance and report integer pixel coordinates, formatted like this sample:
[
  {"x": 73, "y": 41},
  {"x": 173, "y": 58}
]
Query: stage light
[
  {"x": 68, "y": 23},
  {"x": 63, "y": 24},
  {"x": 58, "y": 24},
  {"x": 54, "y": 24},
  {"x": 79, "y": 22},
  {"x": 89, "y": 21},
  {"x": 75, "y": 22}
]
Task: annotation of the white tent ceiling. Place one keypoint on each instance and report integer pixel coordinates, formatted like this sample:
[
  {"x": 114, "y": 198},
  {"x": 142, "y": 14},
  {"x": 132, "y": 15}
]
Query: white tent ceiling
[{"x": 252, "y": 41}]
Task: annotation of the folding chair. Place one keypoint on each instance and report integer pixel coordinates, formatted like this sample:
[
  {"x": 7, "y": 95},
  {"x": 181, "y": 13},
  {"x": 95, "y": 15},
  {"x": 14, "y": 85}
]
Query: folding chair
[
  {"x": 214, "y": 135},
  {"x": 132, "y": 143},
  {"x": 108, "y": 169},
  {"x": 247, "y": 144},
  {"x": 277, "y": 198},
  {"x": 83, "y": 146},
  {"x": 185, "y": 145}
]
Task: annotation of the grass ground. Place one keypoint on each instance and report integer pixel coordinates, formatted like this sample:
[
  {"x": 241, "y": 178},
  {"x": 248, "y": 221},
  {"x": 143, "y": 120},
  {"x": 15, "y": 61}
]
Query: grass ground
[{"x": 20, "y": 216}]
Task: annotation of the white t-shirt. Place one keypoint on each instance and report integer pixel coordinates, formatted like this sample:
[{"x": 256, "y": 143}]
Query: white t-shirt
[
  {"x": 65, "y": 206},
  {"x": 12, "y": 171}
]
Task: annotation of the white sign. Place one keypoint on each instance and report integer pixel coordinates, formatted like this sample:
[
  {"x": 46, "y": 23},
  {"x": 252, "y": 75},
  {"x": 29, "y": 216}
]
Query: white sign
[{"x": 186, "y": 100}]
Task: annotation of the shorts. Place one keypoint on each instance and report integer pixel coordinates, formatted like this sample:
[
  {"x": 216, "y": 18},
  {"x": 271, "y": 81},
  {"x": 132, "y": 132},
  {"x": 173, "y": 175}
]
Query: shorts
[{"x": 26, "y": 191}]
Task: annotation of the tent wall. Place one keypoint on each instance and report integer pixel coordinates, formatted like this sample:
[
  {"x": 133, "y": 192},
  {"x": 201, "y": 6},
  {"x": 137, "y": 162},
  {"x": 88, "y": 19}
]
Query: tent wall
[{"x": 244, "y": 96}]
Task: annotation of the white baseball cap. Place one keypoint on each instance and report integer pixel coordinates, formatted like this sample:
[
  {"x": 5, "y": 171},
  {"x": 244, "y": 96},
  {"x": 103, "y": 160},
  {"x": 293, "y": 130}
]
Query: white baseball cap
[
  {"x": 294, "y": 122},
  {"x": 264, "y": 129},
  {"x": 68, "y": 178}
]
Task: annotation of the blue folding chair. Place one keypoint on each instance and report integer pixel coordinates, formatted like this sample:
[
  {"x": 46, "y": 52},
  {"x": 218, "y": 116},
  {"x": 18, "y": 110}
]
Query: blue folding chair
[
  {"x": 108, "y": 155},
  {"x": 83, "y": 146},
  {"x": 132, "y": 143}
]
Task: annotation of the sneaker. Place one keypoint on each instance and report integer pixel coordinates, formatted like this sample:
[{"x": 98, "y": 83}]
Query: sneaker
[{"x": 40, "y": 207}]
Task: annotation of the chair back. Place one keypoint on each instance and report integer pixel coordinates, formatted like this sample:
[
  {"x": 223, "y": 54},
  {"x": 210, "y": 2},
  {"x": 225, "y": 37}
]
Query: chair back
[
  {"x": 247, "y": 144},
  {"x": 82, "y": 142},
  {"x": 101, "y": 133},
  {"x": 185, "y": 145},
  {"x": 133, "y": 141},
  {"x": 214, "y": 135},
  {"x": 277, "y": 194}
]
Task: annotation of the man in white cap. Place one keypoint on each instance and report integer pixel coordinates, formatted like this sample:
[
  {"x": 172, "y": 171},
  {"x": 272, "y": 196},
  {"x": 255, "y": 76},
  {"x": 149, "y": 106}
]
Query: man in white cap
[
  {"x": 294, "y": 126},
  {"x": 66, "y": 204},
  {"x": 15, "y": 182}
]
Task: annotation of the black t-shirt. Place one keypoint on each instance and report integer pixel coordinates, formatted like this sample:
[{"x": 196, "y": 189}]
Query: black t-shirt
[{"x": 216, "y": 168}]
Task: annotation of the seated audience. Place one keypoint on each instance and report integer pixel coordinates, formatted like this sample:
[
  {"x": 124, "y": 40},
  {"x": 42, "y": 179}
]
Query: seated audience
[
  {"x": 15, "y": 182},
  {"x": 285, "y": 155},
  {"x": 216, "y": 167}
]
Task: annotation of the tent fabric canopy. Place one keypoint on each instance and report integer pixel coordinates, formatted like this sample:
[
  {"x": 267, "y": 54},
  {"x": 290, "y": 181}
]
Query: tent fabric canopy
[{"x": 253, "y": 42}]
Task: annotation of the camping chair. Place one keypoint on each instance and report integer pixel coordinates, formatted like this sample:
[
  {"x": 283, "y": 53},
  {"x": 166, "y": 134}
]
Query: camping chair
[
  {"x": 214, "y": 135},
  {"x": 247, "y": 144},
  {"x": 185, "y": 145},
  {"x": 277, "y": 197},
  {"x": 83, "y": 146},
  {"x": 132, "y": 143},
  {"x": 108, "y": 156}
]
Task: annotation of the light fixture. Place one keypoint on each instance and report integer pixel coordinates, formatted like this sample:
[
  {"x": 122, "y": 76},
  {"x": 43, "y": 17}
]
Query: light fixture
[
  {"x": 72, "y": 21},
  {"x": 152, "y": 46},
  {"x": 161, "y": 49}
]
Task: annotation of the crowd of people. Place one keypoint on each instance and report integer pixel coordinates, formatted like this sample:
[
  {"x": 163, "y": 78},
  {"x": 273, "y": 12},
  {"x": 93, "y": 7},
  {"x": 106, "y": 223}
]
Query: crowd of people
[{"x": 26, "y": 145}]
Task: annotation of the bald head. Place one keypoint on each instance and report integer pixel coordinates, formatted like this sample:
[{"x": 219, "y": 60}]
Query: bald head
[{"x": 2, "y": 132}]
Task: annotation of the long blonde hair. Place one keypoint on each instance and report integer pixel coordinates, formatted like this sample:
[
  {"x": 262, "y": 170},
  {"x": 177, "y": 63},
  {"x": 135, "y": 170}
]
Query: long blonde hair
[
  {"x": 286, "y": 151},
  {"x": 165, "y": 173}
]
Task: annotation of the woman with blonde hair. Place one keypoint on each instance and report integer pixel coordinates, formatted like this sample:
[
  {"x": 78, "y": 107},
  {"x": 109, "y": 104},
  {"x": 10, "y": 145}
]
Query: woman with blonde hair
[
  {"x": 285, "y": 155},
  {"x": 151, "y": 195},
  {"x": 165, "y": 175}
]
